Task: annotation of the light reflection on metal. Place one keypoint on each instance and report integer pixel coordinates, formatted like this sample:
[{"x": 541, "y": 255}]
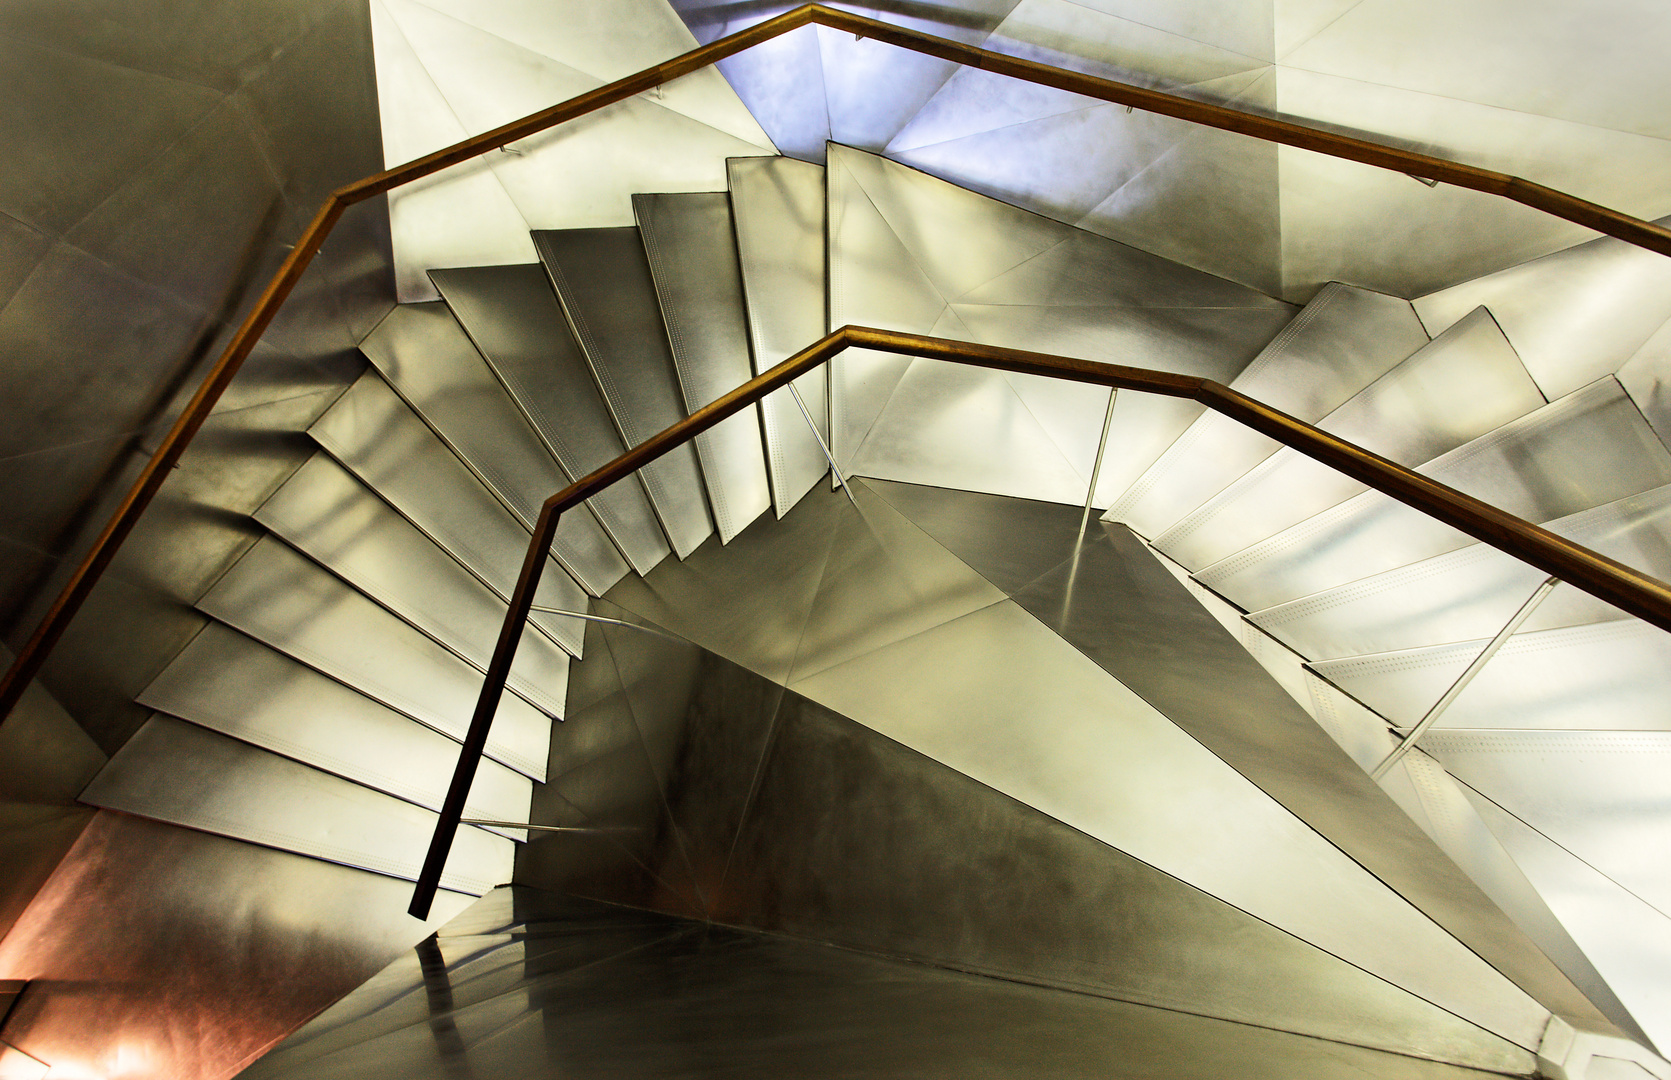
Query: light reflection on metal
[
  {"x": 606, "y": 619},
  {"x": 1465, "y": 678},
  {"x": 1090, "y": 495},
  {"x": 550, "y": 828},
  {"x": 822, "y": 445}
]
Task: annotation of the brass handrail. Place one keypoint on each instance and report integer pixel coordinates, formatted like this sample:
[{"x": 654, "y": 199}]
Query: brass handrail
[
  {"x": 1617, "y": 584},
  {"x": 150, "y": 480}
]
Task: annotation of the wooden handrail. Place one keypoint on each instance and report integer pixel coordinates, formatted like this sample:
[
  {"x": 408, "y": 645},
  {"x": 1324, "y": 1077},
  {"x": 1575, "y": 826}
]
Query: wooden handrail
[
  {"x": 150, "y": 480},
  {"x": 1626, "y": 588}
]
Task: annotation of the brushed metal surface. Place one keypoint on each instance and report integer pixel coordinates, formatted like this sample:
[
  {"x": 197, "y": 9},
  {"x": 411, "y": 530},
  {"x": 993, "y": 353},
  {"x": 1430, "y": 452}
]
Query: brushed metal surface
[
  {"x": 186, "y": 775},
  {"x": 514, "y": 319},
  {"x": 1000, "y": 698},
  {"x": 1343, "y": 340},
  {"x": 1458, "y": 387},
  {"x": 373, "y": 433},
  {"x": 281, "y": 598},
  {"x": 1471, "y": 592},
  {"x": 606, "y": 993},
  {"x": 429, "y": 361},
  {"x": 692, "y": 247},
  {"x": 235, "y": 685},
  {"x": 1588, "y": 448},
  {"x": 609, "y": 298},
  {"x": 1603, "y": 677},
  {"x": 328, "y": 515},
  {"x": 777, "y": 207}
]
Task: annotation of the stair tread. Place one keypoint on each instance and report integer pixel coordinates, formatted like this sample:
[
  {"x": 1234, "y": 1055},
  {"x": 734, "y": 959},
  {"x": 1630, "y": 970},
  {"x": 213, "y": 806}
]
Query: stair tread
[{"x": 514, "y": 319}]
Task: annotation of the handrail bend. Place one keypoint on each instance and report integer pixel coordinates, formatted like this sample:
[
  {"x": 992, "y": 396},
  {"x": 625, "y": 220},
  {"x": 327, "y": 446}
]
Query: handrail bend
[
  {"x": 1624, "y": 587},
  {"x": 150, "y": 480}
]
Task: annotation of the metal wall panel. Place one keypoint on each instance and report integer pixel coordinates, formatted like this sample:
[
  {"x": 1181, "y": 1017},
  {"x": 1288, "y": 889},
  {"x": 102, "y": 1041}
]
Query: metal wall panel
[
  {"x": 431, "y": 363},
  {"x": 1000, "y": 698},
  {"x": 1463, "y": 384},
  {"x": 515, "y": 321},
  {"x": 234, "y": 685},
  {"x": 371, "y": 431},
  {"x": 777, "y": 205},
  {"x": 1588, "y": 448},
  {"x": 692, "y": 247},
  {"x": 1345, "y": 339},
  {"x": 603, "y": 282},
  {"x": 186, "y": 775},
  {"x": 277, "y": 596},
  {"x": 327, "y": 514}
]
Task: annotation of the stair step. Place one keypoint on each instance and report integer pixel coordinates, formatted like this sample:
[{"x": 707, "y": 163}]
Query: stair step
[
  {"x": 328, "y": 515},
  {"x": 233, "y": 684},
  {"x": 1342, "y": 341},
  {"x": 1588, "y": 448},
  {"x": 1472, "y": 592},
  {"x": 186, "y": 775},
  {"x": 429, "y": 361},
  {"x": 1605, "y": 676},
  {"x": 1464, "y": 383},
  {"x": 778, "y": 208},
  {"x": 280, "y": 597},
  {"x": 372, "y": 432},
  {"x": 692, "y": 246},
  {"x": 603, "y": 282},
  {"x": 514, "y": 319}
]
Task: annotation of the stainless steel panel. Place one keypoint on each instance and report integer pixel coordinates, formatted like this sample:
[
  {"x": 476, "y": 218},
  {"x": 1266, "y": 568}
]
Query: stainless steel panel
[
  {"x": 1605, "y": 677},
  {"x": 1462, "y": 385},
  {"x": 236, "y": 686},
  {"x": 1628, "y": 940},
  {"x": 186, "y": 775},
  {"x": 1645, "y": 377},
  {"x": 603, "y": 282},
  {"x": 1472, "y": 592},
  {"x": 780, "y": 81},
  {"x": 998, "y": 697},
  {"x": 430, "y": 362},
  {"x": 1573, "y": 316},
  {"x": 164, "y": 949},
  {"x": 777, "y": 206},
  {"x": 1067, "y": 912},
  {"x": 323, "y": 511},
  {"x": 1585, "y": 449},
  {"x": 692, "y": 248},
  {"x": 602, "y": 994},
  {"x": 371, "y": 430},
  {"x": 1345, "y": 339},
  {"x": 750, "y": 600},
  {"x": 516, "y": 323},
  {"x": 277, "y": 596}
]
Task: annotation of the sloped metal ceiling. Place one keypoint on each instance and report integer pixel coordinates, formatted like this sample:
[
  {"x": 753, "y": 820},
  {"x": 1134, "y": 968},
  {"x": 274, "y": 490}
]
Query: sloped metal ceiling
[{"x": 1518, "y": 88}]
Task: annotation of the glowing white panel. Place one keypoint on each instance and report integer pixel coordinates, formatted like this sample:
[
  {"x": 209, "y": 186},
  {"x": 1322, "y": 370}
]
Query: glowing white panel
[{"x": 1240, "y": 28}]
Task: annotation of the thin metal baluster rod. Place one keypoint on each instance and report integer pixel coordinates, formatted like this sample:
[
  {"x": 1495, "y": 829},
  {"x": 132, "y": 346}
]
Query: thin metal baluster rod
[
  {"x": 1090, "y": 496},
  {"x": 822, "y": 445},
  {"x": 589, "y": 617},
  {"x": 1465, "y": 678},
  {"x": 491, "y": 823}
]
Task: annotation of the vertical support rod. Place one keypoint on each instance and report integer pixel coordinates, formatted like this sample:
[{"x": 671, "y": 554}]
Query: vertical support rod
[
  {"x": 493, "y": 688},
  {"x": 1465, "y": 678},
  {"x": 822, "y": 445},
  {"x": 1090, "y": 496}
]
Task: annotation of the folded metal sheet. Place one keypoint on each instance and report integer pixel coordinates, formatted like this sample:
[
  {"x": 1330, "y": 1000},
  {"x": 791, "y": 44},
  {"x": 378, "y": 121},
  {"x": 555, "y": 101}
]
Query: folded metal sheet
[
  {"x": 604, "y": 285},
  {"x": 373, "y": 433},
  {"x": 281, "y": 598},
  {"x": 1472, "y": 592},
  {"x": 777, "y": 207},
  {"x": 1605, "y": 676},
  {"x": 429, "y": 361},
  {"x": 187, "y": 775},
  {"x": 692, "y": 246},
  {"x": 323, "y": 511},
  {"x": 1588, "y": 448},
  {"x": 513, "y": 317},
  {"x": 237, "y": 686},
  {"x": 1463, "y": 384},
  {"x": 1342, "y": 341}
]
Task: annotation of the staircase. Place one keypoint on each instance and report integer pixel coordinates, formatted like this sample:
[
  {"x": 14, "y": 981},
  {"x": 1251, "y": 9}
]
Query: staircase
[{"x": 319, "y": 712}]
